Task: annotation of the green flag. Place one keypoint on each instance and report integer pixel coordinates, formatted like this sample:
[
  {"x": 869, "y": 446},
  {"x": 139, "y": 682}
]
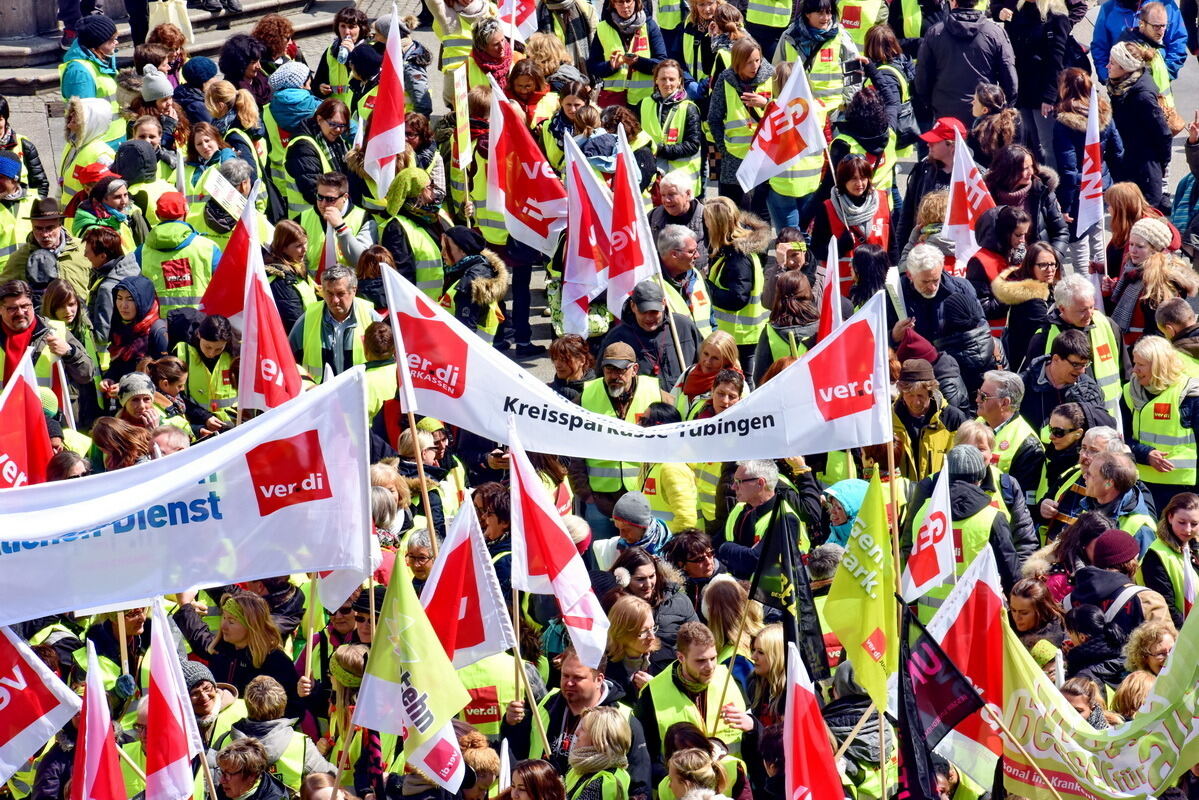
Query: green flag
[
  {"x": 410, "y": 687},
  {"x": 861, "y": 607}
]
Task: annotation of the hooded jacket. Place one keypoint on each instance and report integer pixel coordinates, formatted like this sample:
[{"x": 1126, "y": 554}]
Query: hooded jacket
[
  {"x": 95, "y": 115},
  {"x": 483, "y": 279},
  {"x": 1116, "y": 17},
  {"x": 1041, "y": 397},
  {"x": 275, "y": 735},
  {"x": 965, "y": 333},
  {"x": 737, "y": 274},
  {"x": 1098, "y": 658},
  {"x": 100, "y": 307},
  {"x": 656, "y": 355},
  {"x": 174, "y": 235},
  {"x": 1026, "y": 302},
  {"x": 1101, "y": 587},
  {"x": 1069, "y": 141},
  {"x": 77, "y": 80},
  {"x": 190, "y": 98},
  {"x": 292, "y": 107},
  {"x": 946, "y": 369},
  {"x": 32, "y": 263},
  {"x": 141, "y": 289},
  {"x": 958, "y": 54}
]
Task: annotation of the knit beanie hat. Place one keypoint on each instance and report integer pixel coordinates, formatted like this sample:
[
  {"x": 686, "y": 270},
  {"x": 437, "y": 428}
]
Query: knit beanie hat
[
  {"x": 1125, "y": 58},
  {"x": 171, "y": 205},
  {"x": 289, "y": 76},
  {"x": 195, "y": 673},
  {"x": 633, "y": 508},
  {"x": 10, "y": 165},
  {"x": 1154, "y": 231},
  {"x": 54, "y": 428},
  {"x": 94, "y": 30},
  {"x": 155, "y": 85},
  {"x": 199, "y": 69},
  {"x": 408, "y": 183},
  {"x": 467, "y": 240},
  {"x": 134, "y": 384},
  {"x": 366, "y": 60},
  {"x": 959, "y": 314},
  {"x": 913, "y": 345},
  {"x": 965, "y": 463},
  {"x": 1113, "y": 548}
]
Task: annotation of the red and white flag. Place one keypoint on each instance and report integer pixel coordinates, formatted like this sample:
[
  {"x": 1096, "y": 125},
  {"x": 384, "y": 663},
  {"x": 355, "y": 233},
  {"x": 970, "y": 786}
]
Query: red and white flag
[
  {"x": 387, "y": 135},
  {"x": 462, "y": 596},
  {"x": 97, "y": 771},
  {"x": 545, "y": 559},
  {"x": 830, "y": 293},
  {"x": 790, "y": 129},
  {"x": 35, "y": 702},
  {"x": 1090, "y": 187},
  {"x": 810, "y": 770},
  {"x": 269, "y": 375},
  {"x": 522, "y": 187},
  {"x": 633, "y": 255},
  {"x": 968, "y": 199},
  {"x": 519, "y": 18},
  {"x": 172, "y": 738},
  {"x": 61, "y": 387},
  {"x": 226, "y": 292},
  {"x": 931, "y": 561},
  {"x": 588, "y": 245},
  {"x": 1190, "y": 581},
  {"x": 24, "y": 438},
  {"x": 969, "y": 627}
]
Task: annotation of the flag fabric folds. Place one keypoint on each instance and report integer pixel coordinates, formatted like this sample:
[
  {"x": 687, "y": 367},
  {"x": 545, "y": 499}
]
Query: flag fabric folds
[
  {"x": 588, "y": 244},
  {"x": 36, "y": 704},
  {"x": 968, "y": 199},
  {"x": 172, "y": 738},
  {"x": 810, "y": 771},
  {"x": 24, "y": 437},
  {"x": 790, "y": 129},
  {"x": 96, "y": 774},
  {"x": 931, "y": 561},
  {"x": 387, "y": 130}
]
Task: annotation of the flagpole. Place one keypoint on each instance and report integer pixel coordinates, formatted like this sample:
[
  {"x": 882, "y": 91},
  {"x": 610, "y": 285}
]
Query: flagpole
[
  {"x": 128, "y": 759},
  {"x": 521, "y": 678},
  {"x": 998, "y": 720},
  {"x": 370, "y": 598},
  {"x": 310, "y": 626},
  {"x": 853, "y": 734},
  {"x": 674, "y": 334},
  {"x": 123, "y": 638},
  {"x": 424, "y": 490},
  {"x": 208, "y": 780},
  {"x": 341, "y": 763}
]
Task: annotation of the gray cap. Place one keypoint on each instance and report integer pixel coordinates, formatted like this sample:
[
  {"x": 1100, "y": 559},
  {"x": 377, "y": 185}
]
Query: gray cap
[
  {"x": 648, "y": 296},
  {"x": 155, "y": 85},
  {"x": 965, "y": 463},
  {"x": 133, "y": 384},
  {"x": 195, "y": 673},
  {"x": 633, "y": 508}
]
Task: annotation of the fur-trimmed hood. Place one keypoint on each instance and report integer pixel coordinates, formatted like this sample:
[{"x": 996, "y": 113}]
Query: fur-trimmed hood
[
  {"x": 1077, "y": 120},
  {"x": 1013, "y": 292},
  {"x": 485, "y": 291},
  {"x": 1049, "y": 177},
  {"x": 758, "y": 239},
  {"x": 1047, "y": 7}
]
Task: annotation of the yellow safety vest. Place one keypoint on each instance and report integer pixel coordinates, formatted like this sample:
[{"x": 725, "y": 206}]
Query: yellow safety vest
[
  {"x": 744, "y": 324},
  {"x": 769, "y": 13},
  {"x": 493, "y": 226},
  {"x": 636, "y": 85},
  {"x": 826, "y": 72},
  {"x": 671, "y": 134},
  {"x": 488, "y": 326},
  {"x": 277, "y": 140},
  {"x": 296, "y": 204},
  {"x": 970, "y": 536},
  {"x": 1158, "y": 424},
  {"x": 614, "y": 784},
  {"x": 426, "y": 253},
  {"x": 180, "y": 276},
  {"x": 884, "y": 168},
  {"x": 1105, "y": 359},
  {"x": 859, "y": 16},
  {"x": 339, "y": 76},
  {"x": 762, "y": 524},
  {"x": 314, "y": 226},
  {"x": 739, "y": 123},
  {"x": 491, "y": 684},
  {"x": 312, "y": 357},
  {"x": 1008, "y": 439},
  {"x": 106, "y": 89},
  {"x": 698, "y": 304},
  {"x": 613, "y": 476},
  {"x": 1161, "y": 77},
  {"x": 671, "y": 706},
  {"x": 381, "y": 386},
  {"x": 15, "y": 225},
  {"x": 93, "y": 152},
  {"x": 1175, "y": 569},
  {"x": 214, "y": 389}
]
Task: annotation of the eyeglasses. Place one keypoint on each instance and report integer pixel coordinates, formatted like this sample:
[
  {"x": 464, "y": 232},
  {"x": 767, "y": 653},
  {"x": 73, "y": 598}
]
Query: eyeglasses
[
  {"x": 1156, "y": 26},
  {"x": 203, "y": 690},
  {"x": 981, "y": 396},
  {"x": 706, "y": 555},
  {"x": 646, "y": 633},
  {"x": 1058, "y": 433},
  {"x": 744, "y": 480},
  {"x": 337, "y": 126},
  {"x": 418, "y": 560},
  {"x": 18, "y": 307},
  {"x": 360, "y": 618},
  {"x": 1078, "y": 364},
  {"x": 1046, "y": 264},
  {"x": 324, "y": 198}
]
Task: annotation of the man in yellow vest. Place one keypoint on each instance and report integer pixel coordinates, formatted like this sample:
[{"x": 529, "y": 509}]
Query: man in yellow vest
[
  {"x": 690, "y": 691},
  {"x": 623, "y": 394},
  {"x": 1018, "y": 448},
  {"x": 1059, "y": 377},
  {"x": 330, "y": 334},
  {"x": 1178, "y": 322},
  {"x": 758, "y": 493},
  {"x": 1114, "y": 490},
  {"x": 413, "y": 242},
  {"x": 176, "y": 257},
  {"x": 580, "y": 688},
  {"x": 48, "y": 238},
  {"x": 686, "y": 291},
  {"x": 354, "y": 231}
]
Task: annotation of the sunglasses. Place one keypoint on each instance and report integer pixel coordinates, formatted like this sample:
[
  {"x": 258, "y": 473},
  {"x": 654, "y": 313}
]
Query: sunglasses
[
  {"x": 341, "y": 612},
  {"x": 360, "y": 618},
  {"x": 1058, "y": 433},
  {"x": 707, "y": 555}
]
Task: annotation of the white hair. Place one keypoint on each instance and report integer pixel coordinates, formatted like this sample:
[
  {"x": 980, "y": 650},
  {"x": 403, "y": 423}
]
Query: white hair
[
  {"x": 1073, "y": 287},
  {"x": 1007, "y": 384},
  {"x": 1115, "y": 442},
  {"x": 925, "y": 258},
  {"x": 671, "y": 238},
  {"x": 762, "y": 468},
  {"x": 679, "y": 179}
]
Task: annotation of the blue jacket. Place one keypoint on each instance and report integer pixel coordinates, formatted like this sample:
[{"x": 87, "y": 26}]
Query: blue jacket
[
  {"x": 291, "y": 107},
  {"x": 77, "y": 80},
  {"x": 1069, "y": 141},
  {"x": 1115, "y": 18},
  {"x": 191, "y": 100}
]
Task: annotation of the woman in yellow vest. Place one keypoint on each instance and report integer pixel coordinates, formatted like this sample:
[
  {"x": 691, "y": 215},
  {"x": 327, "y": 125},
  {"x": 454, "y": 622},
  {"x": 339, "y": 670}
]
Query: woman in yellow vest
[
  {"x": 108, "y": 203},
  {"x": 62, "y": 301},
  {"x": 1164, "y": 402},
  {"x": 346, "y": 667},
  {"x": 206, "y": 148},
  {"x": 208, "y": 358},
  {"x": 411, "y": 229},
  {"x": 89, "y": 70},
  {"x": 793, "y": 321},
  {"x": 739, "y": 96},
  {"x": 86, "y": 123},
  {"x": 712, "y": 478},
  {"x": 827, "y": 53},
  {"x": 627, "y": 46},
  {"x": 574, "y": 96},
  {"x": 672, "y": 123},
  {"x": 1172, "y": 553},
  {"x": 735, "y": 242},
  {"x": 291, "y": 286},
  {"x": 728, "y": 612},
  {"x": 491, "y": 55},
  {"x": 598, "y": 756},
  {"x": 864, "y": 129},
  {"x": 528, "y": 88},
  {"x": 332, "y": 79},
  {"x": 477, "y": 281},
  {"x": 236, "y": 116},
  {"x": 698, "y": 56}
]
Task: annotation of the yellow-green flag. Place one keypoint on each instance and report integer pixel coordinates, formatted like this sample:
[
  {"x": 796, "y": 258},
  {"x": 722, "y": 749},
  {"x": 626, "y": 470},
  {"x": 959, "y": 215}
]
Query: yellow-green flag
[
  {"x": 410, "y": 687},
  {"x": 861, "y": 606}
]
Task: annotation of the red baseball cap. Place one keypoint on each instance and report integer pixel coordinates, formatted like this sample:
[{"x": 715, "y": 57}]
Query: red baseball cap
[
  {"x": 171, "y": 205},
  {"x": 94, "y": 173},
  {"x": 942, "y": 130}
]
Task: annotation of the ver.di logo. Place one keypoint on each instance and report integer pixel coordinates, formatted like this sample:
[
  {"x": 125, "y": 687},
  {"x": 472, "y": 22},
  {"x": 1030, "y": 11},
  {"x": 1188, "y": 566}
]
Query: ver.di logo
[{"x": 288, "y": 471}]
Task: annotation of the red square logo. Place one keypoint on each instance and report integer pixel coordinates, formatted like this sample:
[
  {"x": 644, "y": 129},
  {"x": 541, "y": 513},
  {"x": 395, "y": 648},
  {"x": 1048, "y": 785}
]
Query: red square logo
[
  {"x": 288, "y": 471},
  {"x": 826, "y": 54},
  {"x": 436, "y": 355},
  {"x": 842, "y": 373},
  {"x": 1161, "y": 410},
  {"x": 851, "y": 16},
  {"x": 484, "y": 705},
  {"x": 442, "y": 759},
  {"x": 1105, "y": 352},
  {"x": 875, "y": 644},
  {"x": 177, "y": 273}
]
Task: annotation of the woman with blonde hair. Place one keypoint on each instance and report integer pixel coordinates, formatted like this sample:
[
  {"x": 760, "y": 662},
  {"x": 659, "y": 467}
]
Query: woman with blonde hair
[
  {"x": 1149, "y": 277},
  {"x": 717, "y": 352},
  {"x": 768, "y": 683},
  {"x": 236, "y": 116},
  {"x": 598, "y": 756},
  {"x": 695, "y": 768},
  {"x": 632, "y": 637},
  {"x": 724, "y": 606},
  {"x": 246, "y": 645},
  {"x": 927, "y": 229},
  {"x": 346, "y": 666},
  {"x": 1132, "y": 693},
  {"x": 736, "y": 240},
  {"x": 1149, "y": 645},
  {"x": 549, "y": 55},
  {"x": 1164, "y": 403}
]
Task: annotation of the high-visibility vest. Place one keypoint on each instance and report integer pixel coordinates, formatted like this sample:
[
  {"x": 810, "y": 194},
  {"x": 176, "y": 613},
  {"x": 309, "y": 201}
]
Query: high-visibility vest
[
  {"x": 364, "y": 105},
  {"x": 707, "y": 477},
  {"x": 304, "y": 287},
  {"x": 312, "y": 357},
  {"x": 671, "y": 705},
  {"x": 149, "y": 193},
  {"x": 762, "y": 524},
  {"x": 491, "y": 684},
  {"x": 904, "y": 95},
  {"x": 106, "y": 89},
  {"x": 488, "y": 326},
  {"x": 879, "y": 232},
  {"x": 697, "y": 306},
  {"x": 614, "y": 784},
  {"x": 801, "y": 178},
  {"x": 193, "y": 184},
  {"x": 670, "y": 134},
  {"x": 1008, "y": 439},
  {"x": 970, "y": 536},
  {"x": 1158, "y": 424},
  {"x": 257, "y": 148},
  {"x": 1132, "y": 523},
  {"x": 744, "y": 324},
  {"x": 536, "y": 750},
  {"x": 381, "y": 386},
  {"x": 826, "y": 72},
  {"x": 426, "y": 253},
  {"x": 339, "y": 76},
  {"x": 1105, "y": 361},
  {"x": 43, "y": 368},
  {"x": 289, "y": 768},
  {"x": 1161, "y": 77},
  {"x": 296, "y": 204},
  {"x": 180, "y": 276},
  {"x": 314, "y": 226},
  {"x": 769, "y": 13},
  {"x": 659, "y": 504},
  {"x": 859, "y": 16},
  {"x": 635, "y": 85},
  {"x": 456, "y": 41},
  {"x": 839, "y": 466},
  {"x": 613, "y": 476},
  {"x": 277, "y": 140},
  {"x": 214, "y": 389},
  {"x": 669, "y": 14},
  {"x": 780, "y": 347},
  {"x": 15, "y": 225},
  {"x": 91, "y": 153},
  {"x": 693, "y": 58},
  {"x": 1175, "y": 569},
  {"x": 740, "y": 122},
  {"x": 493, "y": 226},
  {"x": 884, "y": 164}
]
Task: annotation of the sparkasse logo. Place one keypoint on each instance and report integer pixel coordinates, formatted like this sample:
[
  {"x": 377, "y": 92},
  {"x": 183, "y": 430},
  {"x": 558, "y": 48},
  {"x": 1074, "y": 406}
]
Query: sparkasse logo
[
  {"x": 288, "y": 471},
  {"x": 843, "y": 372},
  {"x": 436, "y": 355}
]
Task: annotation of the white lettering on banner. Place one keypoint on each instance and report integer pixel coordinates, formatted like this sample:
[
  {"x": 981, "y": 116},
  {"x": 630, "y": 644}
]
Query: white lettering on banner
[
  {"x": 271, "y": 372},
  {"x": 624, "y": 236},
  {"x": 846, "y": 391},
  {"x": 17, "y": 683},
  {"x": 13, "y": 475}
]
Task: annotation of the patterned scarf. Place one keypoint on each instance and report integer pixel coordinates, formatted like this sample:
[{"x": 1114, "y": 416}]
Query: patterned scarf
[{"x": 497, "y": 68}]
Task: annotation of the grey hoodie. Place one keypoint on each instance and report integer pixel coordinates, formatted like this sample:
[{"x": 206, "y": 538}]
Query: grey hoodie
[
  {"x": 275, "y": 735},
  {"x": 100, "y": 308}
]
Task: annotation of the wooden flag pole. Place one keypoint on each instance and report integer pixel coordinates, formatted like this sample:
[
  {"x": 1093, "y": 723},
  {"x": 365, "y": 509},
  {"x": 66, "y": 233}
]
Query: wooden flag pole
[
  {"x": 674, "y": 334},
  {"x": 123, "y": 638},
  {"x": 853, "y": 734},
  {"x": 310, "y": 626},
  {"x": 998, "y": 720},
  {"x": 138, "y": 771},
  {"x": 418, "y": 456},
  {"x": 208, "y": 779},
  {"x": 521, "y": 679},
  {"x": 370, "y": 598}
]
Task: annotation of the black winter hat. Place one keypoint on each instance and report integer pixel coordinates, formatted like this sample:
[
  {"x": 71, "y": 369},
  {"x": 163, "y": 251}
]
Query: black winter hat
[
  {"x": 94, "y": 30},
  {"x": 366, "y": 60},
  {"x": 136, "y": 161},
  {"x": 958, "y": 314},
  {"x": 467, "y": 240}
]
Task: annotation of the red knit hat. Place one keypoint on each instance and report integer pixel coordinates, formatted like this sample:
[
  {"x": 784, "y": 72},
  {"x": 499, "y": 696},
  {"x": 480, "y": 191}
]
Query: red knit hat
[
  {"x": 1113, "y": 548},
  {"x": 171, "y": 205}
]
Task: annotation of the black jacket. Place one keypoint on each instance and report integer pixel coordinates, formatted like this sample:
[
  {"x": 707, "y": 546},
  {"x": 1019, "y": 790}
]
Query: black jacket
[
  {"x": 1039, "y": 44},
  {"x": 1154, "y": 575},
  {"x": 1037, "y": 345},
  {"x": 655, "y": 351},
  {"x": 1026, "y": 305},
  {"x": 958, "y": 54},
  {"x": 303, "y": 163},
  {"x": 926, "y": 177},
  {"x": 1048, "y": 224},
  {"x": 1099, "y": 659},
  {"x": 964, "y": 332},
  {"x": 672, "y": 613},
  {"x": 482, "y": 280},
  {"x": 1102, "y": 587},
  {"x": 36, "y": 174},
  {"x": 1142, "y": 126},
  {"x": 269, "y": 788},
  {"x": 1041, "y": 397},
  {"x": 929, "y": 312}
]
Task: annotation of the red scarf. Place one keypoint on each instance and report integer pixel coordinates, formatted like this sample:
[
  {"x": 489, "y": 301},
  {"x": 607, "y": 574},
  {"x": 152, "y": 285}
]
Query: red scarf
[
  {"x": 497, "y": 68},
  {"x": 697, "y": 382},
  {"x": 530, "y": 107},
  {"x": 15, "y": 345},
  {"x": 132, "y": 343}
]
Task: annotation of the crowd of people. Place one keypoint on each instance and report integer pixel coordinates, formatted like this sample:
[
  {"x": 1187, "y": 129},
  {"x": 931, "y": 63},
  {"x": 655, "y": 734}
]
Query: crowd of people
[{"x": 1054, "y": 373}]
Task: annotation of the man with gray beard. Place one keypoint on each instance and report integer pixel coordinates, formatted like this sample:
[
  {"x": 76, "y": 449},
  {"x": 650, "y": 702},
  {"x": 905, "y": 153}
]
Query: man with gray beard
[{"x": 926, "y": 285}]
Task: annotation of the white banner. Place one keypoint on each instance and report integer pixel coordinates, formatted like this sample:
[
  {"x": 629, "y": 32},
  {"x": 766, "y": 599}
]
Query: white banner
[
  {"x": 834, "y": 398},
  {"x": 285, "y": 493}
]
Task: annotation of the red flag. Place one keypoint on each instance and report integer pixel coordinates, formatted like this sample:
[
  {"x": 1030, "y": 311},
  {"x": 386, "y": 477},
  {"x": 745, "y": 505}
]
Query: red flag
[
  {"x": 97, "y": 772},
  {"x": 809, "y": 771},
  {"x": 462, "y": 596},
  {"x": 931, "y": 561},
  {"x": 35, "y": 703},
  {"x": 387, "y": 139},
  {"x": 633, "y": 257},
  {"x": 545, "y": 560},
  {"x": 519, "y": 18},
  {"x": 790, "y": 129},
  {"x": 522, "y": 187},
  {"x": 968, "y": 199},
  {"x": 24, "y": 439},
  {"x": 1090, "y": 189},
  {"x": 226, "y": 292},
  {"x": 172, "y": 738},
  {"x": 587, "y": 242},
  {"x": 830, "y": 293}
]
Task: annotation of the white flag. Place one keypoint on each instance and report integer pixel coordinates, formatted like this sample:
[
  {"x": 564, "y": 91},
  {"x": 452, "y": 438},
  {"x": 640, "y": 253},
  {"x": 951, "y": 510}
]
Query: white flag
[
  {"x": 1090, "y": 187},
  {"x": 931, "y": 561},
  {"x": 968, "y": 199},
  {"x": 790, "y": 129}
]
